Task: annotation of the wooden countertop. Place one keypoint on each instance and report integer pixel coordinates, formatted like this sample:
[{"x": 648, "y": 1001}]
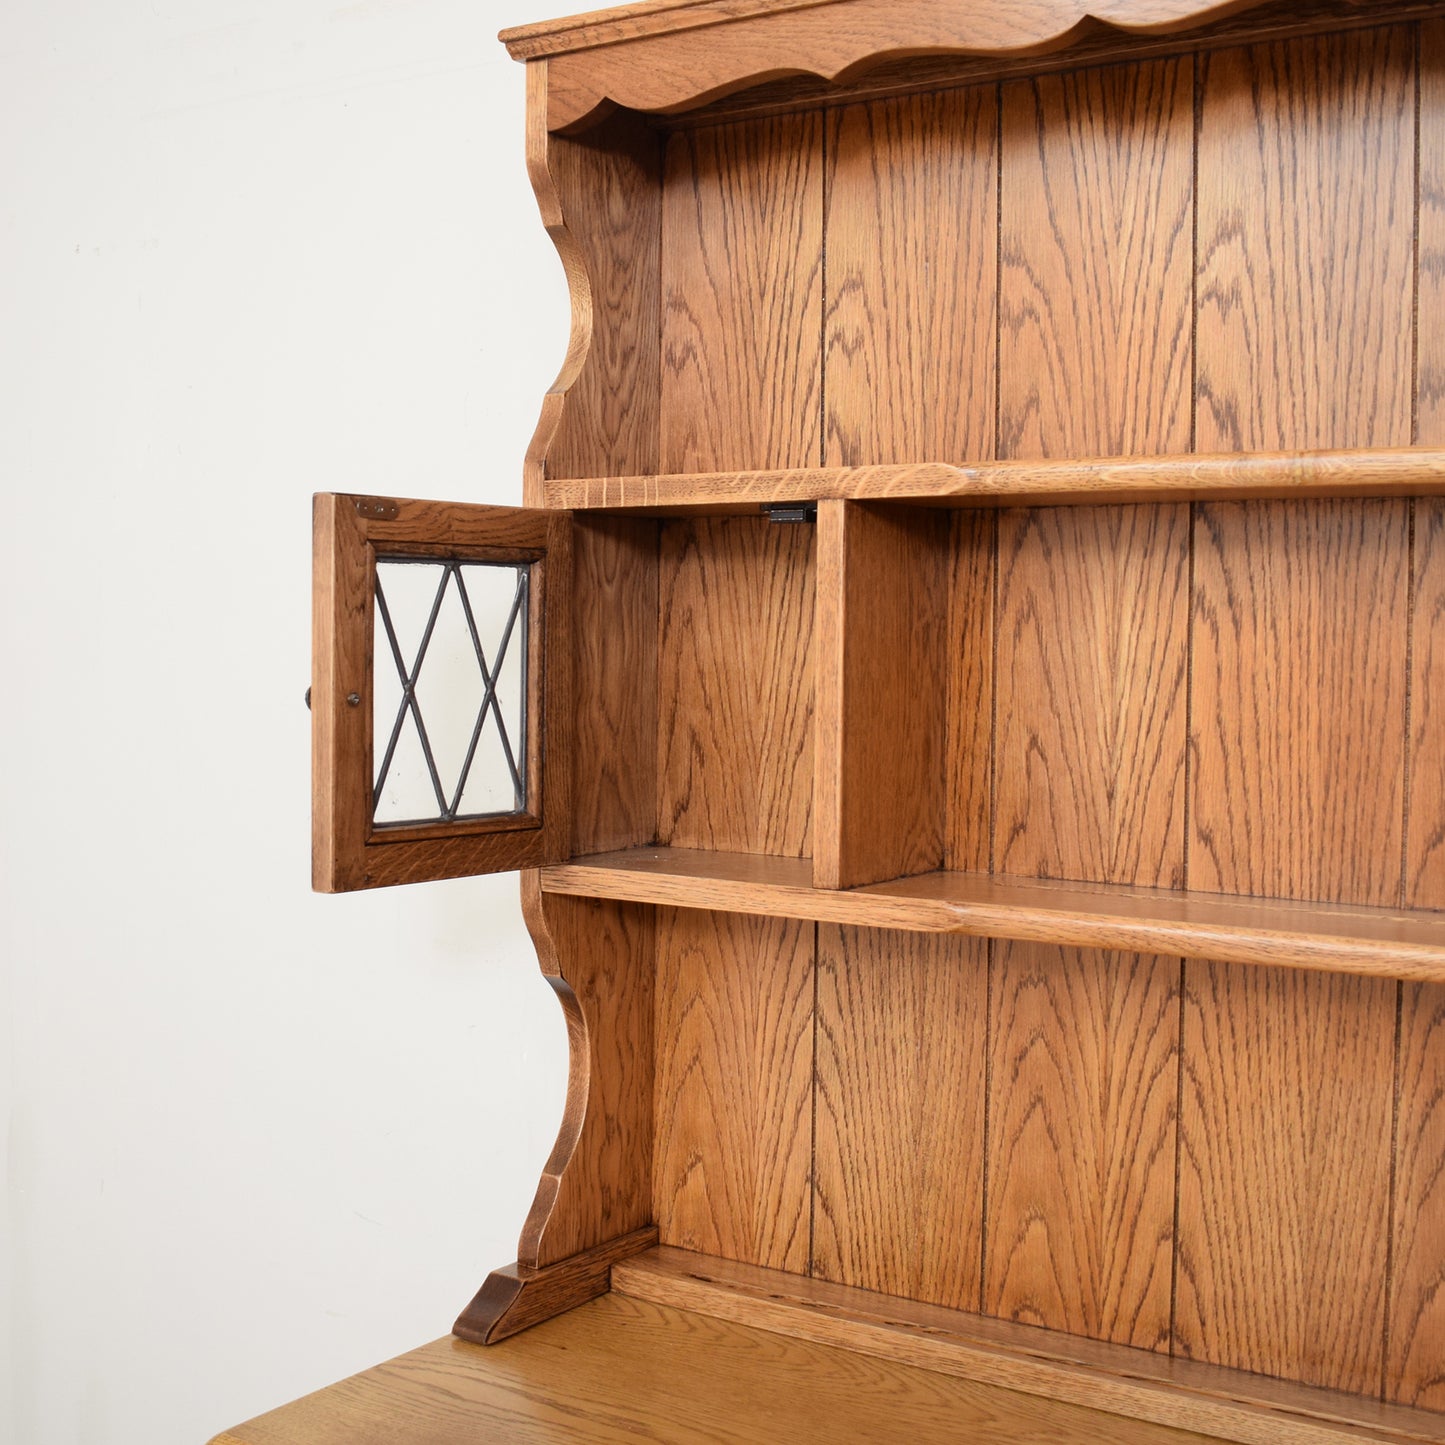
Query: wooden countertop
[{"x": 624, "y": 1369}]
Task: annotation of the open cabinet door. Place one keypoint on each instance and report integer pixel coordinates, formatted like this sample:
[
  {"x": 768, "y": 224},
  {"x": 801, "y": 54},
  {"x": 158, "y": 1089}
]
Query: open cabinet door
[{"x": 438, "y": 690}]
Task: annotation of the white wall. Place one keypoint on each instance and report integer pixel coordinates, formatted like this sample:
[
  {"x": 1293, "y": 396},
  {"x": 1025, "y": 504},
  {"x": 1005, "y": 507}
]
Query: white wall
[{"x": 254, "y": 1139}]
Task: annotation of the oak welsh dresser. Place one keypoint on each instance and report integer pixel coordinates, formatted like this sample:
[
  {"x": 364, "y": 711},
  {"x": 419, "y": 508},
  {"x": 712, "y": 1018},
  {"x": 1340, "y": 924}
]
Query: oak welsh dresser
[{"x": 970, "y": 715}]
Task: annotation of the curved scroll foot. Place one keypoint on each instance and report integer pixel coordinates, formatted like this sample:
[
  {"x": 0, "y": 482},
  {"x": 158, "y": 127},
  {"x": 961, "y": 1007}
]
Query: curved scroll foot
[{"x": 514, "y": 1298}]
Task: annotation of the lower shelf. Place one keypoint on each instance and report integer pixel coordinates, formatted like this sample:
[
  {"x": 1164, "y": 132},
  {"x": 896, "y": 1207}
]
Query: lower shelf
[
  {"x": 688, "y": 1347},
  {"x": 1333, "y": 937},
  {"x": 1145, "y": 1390},
  {"x": 626, "y": 1369}
]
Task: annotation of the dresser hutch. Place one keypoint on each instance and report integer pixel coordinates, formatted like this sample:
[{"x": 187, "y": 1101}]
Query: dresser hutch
[{"x": 969, "y": 706}]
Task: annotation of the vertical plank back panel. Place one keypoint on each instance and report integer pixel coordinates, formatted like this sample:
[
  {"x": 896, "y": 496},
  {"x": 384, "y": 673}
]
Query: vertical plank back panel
[
  {"x": 900, "y": 1094},
  {"x": 1301, "y": 619},
  {"x": 614, "y": 683},
  {"x": 1091, "y": 649},
  {"x": 968, "y": 779},
  {"x": 1306, "y": 194},
  {"x": 733, "y": 1096},
  {"x": 1415, "y": 1364},
  {"x": 1305, "y": 288},
  {"x": 1084, "y": 1064},
  {"x": 735, "y": 725},
  {"x": 742, "y": 261},
  {"x": 1096, "y": 197},
  {"x": 1285, "y": 1173},
  {"x": 1415, "y": 1325},
  {"x": 912, "y": 213}
]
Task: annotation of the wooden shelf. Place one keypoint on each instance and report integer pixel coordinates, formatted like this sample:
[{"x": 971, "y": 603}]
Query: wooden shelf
[
  {"x": 1242, "y": 477},
  {"x": 1139, "y": 1384},
  {"x": 625, "y": 1369},
  {"x": 1334, "y": 937}
]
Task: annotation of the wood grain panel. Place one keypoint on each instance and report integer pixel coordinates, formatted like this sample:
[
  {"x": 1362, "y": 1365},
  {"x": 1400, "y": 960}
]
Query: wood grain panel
[
  {"x": 1223, "y": 1404},
  {"x": 1425, "y": 856},
  {"x": 898, "y": 1167},
  {"x": 911, "y": 227},
  {"x": 1059, "y": 481},
  {"x": 1297, "y": 738},
  {"x": 620, "y": 1370},
  {"x": 1092, "y": 650},
  {"x": 1284, "y": 1173},
  {"x": 742, "y": 250},
  {"x": 608, "y": 190},
  {"x": 1090, "y": 670},
  {"x": 968, "y": 785},
  {"x": 735, "y": 740},
  {"x": 734, "y": 1086},
  {"x": 1300, "y": 617},
  {"x": 1430, "y": 302},
  {"x": 614, "y": 683},
  {"x": 1336, "y": 937},
  {"x": 1306, "y": 199},
  {"x": 598, "y": 955},
  {"x": 1083, "y": 1082},
  {"x": 1415, "y": 1364},
  {"x": 1415, "y": 1324},
  {"x": 882, "y": 620},
  {"x": 1096, "y": 196}
]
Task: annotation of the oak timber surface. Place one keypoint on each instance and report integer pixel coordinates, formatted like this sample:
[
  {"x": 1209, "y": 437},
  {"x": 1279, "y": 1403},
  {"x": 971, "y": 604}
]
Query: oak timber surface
[
  {"x": 1415, "y": 1317},
  {"x": 733, "y": 1097},
  {"x": 1350, "y": 938},
  {"x": 1361, "y": 472},
  {"x": 898, "y": 1165},
  {"x": 1222, "y": 1403},
  {"x": 620, "y": 1369},
  {"x": 1305, "y": 193}
]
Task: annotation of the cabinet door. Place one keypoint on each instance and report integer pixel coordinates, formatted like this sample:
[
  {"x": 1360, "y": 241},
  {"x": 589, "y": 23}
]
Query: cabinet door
[{"x": 438, "y": 690}]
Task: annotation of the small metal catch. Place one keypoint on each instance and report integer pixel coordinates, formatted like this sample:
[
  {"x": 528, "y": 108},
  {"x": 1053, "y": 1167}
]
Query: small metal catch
[{"x": 791, "y": 511}]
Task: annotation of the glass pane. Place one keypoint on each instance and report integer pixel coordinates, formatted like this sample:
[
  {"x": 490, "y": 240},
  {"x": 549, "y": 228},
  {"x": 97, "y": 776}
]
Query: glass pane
[{"x": 449, "y": 720}]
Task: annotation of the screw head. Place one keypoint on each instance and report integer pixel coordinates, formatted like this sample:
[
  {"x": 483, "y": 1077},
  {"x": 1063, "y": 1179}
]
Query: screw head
[{"x": 354, "y": 699}]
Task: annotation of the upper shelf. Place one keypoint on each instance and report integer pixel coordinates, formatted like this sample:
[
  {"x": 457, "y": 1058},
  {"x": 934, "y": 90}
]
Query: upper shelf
[
  {"x": 1340, "y": 938},
  {"x": 652, "y": 57},
  {"x": 1372, "y": 473}
]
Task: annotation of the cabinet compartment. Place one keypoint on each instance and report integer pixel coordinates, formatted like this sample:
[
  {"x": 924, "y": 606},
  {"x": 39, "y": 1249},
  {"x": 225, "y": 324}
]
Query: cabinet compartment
[{"x": 692, "y": 669}]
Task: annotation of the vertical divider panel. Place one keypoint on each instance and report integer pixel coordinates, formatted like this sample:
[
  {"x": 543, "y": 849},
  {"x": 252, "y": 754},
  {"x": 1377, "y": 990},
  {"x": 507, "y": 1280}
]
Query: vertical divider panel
[
  {"x": 883, "y": 647},
  {"x": 1305, "y": 267}
]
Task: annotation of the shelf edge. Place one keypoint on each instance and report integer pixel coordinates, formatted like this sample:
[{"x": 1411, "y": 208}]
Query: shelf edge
[
  {"x": 1057, "y": 915},
  {"x": 1254, "y": 476}
]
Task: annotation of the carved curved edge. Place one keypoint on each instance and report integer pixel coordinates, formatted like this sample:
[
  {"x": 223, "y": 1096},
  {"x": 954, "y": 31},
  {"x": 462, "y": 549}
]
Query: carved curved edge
[
  {"x": 678, "y": 57},
  {"x": 515, "y": 1298},
  {"x": 525, "y": 1293},
  {"x": 579, "y": 1075},
  {"x": 650, "y": 18},
  {"x": 579, "y": 289}
]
